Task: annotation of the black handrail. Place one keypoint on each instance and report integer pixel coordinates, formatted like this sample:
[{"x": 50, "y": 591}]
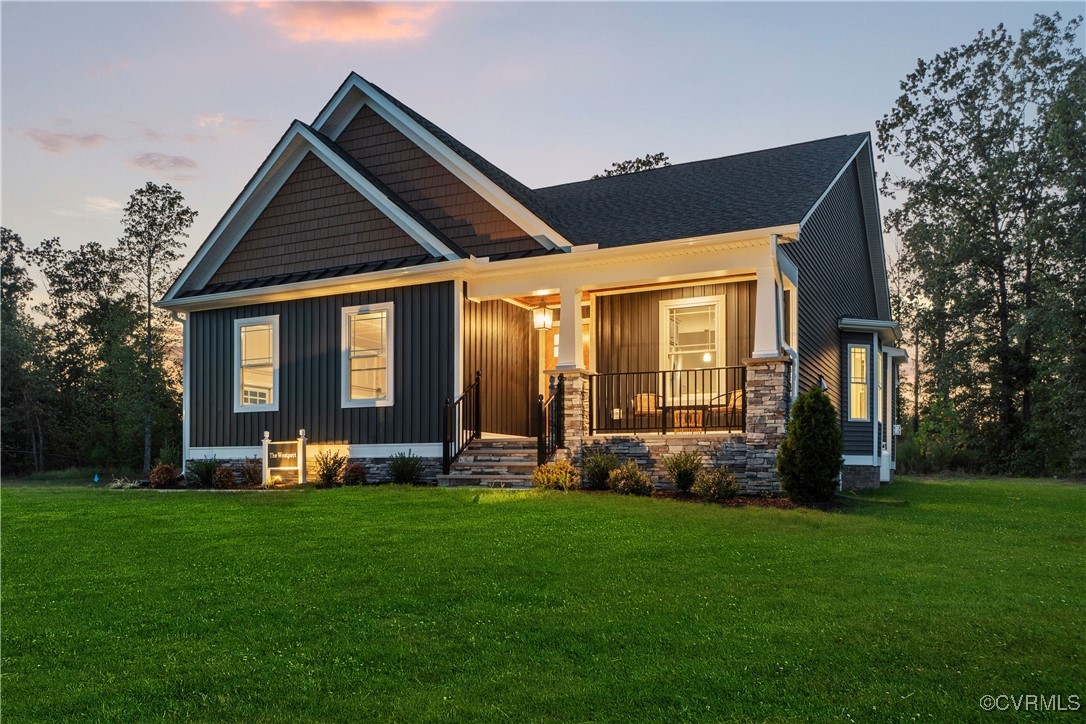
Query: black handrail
[
  {"x": 549, "y": 421},
  {"x": 461, "y": 423},
  {"x": 663, "y": 401}
]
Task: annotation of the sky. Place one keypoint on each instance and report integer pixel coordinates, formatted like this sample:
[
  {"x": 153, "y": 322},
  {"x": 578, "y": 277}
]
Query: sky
[{"x": 98, "y": 98}]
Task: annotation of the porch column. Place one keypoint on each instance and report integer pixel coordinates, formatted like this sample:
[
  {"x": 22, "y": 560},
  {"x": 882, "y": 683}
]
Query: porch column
[
  {"x": 767, "y": 331},
  {"x": 569, "y": 330}
]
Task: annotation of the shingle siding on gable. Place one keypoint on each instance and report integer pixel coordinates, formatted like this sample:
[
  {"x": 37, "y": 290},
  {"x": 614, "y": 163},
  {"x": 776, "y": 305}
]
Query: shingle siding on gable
[
  {"x": 834, "y": 281},
  {"x": 315, "y": 221},
  {"x": 444, "y": 200}
]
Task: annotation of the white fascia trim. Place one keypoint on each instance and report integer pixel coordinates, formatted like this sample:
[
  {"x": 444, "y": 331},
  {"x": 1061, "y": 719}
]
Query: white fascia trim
[
  {"x": 282, "y": 162},
  {"x": 868, "y": 460},
  {"x": 886, "y": 330},
  {"x": 833, "y": 183},
  {"x": 472, "y": 269},
  {"x": 458, "y": 166},
  {"x": 897, "y": 355},
  {"x": 345, "y": 400},
  {"x": 388, "y": 279},
  {"x": 240, "y": 452}
]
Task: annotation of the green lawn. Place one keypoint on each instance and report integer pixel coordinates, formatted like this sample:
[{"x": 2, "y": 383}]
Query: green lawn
[{"x": 439, "y": 604}]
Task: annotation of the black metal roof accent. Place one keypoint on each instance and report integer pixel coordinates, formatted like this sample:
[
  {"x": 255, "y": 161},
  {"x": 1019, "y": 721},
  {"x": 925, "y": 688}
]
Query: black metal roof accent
[{"x": 330, "y": 272}]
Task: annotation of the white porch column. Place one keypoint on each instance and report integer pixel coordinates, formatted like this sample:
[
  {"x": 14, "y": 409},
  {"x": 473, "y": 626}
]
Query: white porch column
[
  {"x": 569, "y": 330},
  {"x": 767, "y": 332}
]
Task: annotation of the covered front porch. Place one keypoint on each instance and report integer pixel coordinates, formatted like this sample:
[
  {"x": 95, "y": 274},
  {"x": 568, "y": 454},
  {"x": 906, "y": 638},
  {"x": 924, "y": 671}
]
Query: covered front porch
[{"x": 693, "y": 343}]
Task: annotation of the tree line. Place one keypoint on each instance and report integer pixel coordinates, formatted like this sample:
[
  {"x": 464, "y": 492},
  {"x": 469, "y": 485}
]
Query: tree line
[
  {"x": 91, "y": 374},
  {"x": 990, "y": 283},
  {"x": 989, "y": 205}
]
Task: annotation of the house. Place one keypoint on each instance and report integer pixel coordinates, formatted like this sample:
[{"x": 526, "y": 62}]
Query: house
[{"x": 384, "y": 288}]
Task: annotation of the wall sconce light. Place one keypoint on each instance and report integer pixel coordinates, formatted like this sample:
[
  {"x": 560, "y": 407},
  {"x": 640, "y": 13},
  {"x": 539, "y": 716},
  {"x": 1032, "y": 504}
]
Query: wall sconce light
[{"x": 542, "y": 317}]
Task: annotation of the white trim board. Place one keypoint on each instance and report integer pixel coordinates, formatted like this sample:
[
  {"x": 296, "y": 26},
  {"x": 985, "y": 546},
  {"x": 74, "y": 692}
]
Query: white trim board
[
  {"x": 240, "y": 452},
  {"x": 346, "y": 401},
  {"x": 273, "y": 406}
]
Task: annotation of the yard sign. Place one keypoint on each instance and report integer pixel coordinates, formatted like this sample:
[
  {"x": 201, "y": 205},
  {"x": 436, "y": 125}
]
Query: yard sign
[{"x": 284, "y": 457}]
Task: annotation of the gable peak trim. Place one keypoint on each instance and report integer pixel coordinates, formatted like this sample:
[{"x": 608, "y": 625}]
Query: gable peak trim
[{"x": 356, "y": 92}]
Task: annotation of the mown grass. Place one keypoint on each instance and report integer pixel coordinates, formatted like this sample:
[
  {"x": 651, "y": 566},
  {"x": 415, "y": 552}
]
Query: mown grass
[
  {"x": 410, "y": 604},
  {"x": 67, "y": 477}
]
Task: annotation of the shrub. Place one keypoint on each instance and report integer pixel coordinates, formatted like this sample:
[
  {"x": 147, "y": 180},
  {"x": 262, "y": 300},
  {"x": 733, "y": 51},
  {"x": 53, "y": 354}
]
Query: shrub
[
  {"x": 406, "y": 469},
  {"x": 163, "y": 476},
  {"x": 682, "y": 468},
  {"x": 809, "y": 461},
  {"x": 330, "y": 464},
  {"x": 629, "y": 479},
  {"x": 223, "y": 477},
  {"x": 202, "y": 471},
  {"x": 597, "y": 466},
  {"x": 252, "y": 471},
  {"x": 123, "y": 483},
  {"x": 354, "y": 474},
  {"x": 169, "y": 454},
  {"x": 559, "y": 475},
  {"x": 715, "y": 485}
]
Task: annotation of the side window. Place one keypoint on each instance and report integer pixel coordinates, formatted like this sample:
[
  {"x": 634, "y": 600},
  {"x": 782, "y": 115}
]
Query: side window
[
  {"x": 256, "y": 364},
  {"x": 367, "y": 355},
  {"x": 858, "y": 408}
]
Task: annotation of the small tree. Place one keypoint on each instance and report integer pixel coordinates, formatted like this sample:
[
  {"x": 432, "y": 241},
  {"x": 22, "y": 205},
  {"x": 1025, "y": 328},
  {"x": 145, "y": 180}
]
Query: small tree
[
  {"x": 809, "y": 460},
  {"x": 650, "y": 161},
  {"x": 155, "y": 220}
]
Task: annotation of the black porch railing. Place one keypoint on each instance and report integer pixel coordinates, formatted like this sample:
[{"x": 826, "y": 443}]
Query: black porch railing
[
  {"x": 549, "y": 420},
  {"x": 666, "y": 401},
  {"x": 461, "y": 423}
]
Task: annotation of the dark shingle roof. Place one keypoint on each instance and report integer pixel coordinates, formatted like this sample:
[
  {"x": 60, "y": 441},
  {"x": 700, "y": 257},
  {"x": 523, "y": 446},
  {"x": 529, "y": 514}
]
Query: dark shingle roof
[
  {"x": 754, "y": 190},
  {"x": 528, "y": 198}
]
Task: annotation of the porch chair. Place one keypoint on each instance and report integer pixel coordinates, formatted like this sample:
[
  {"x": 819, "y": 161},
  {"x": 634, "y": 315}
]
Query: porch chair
[
  {"x": 726, "y": 410},
  {"x": 646, "y": 412}
]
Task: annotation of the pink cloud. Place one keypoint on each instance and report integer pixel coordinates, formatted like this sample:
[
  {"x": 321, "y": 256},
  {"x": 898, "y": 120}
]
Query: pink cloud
[
  {"x": 345, "y": 22},
  {"x": 63, "y": 142},
  {"x": 169, "y": 167},
  {"x": 220, "y": 120}
]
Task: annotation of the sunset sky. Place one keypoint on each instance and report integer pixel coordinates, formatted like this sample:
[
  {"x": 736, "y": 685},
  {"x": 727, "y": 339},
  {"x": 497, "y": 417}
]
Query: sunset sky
[{"x": 100, "y": 97}]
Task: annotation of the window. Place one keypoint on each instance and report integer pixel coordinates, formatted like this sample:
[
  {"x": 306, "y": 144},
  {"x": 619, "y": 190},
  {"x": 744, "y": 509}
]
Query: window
[
  {"x": 367, "y": 355},
  {"x": 256, "y": 364},
  {"x": 691, "y": 334},
  {"x": 857, "y": 383}
]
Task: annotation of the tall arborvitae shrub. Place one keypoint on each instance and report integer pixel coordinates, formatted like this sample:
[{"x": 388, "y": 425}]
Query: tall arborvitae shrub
[{"x": 809, "y": 460}]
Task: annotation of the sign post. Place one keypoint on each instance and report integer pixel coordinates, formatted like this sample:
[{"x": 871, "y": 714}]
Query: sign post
[{"x": 301, "y": 456}]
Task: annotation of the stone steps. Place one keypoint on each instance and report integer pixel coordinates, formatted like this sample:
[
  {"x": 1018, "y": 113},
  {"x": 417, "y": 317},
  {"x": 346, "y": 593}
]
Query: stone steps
[{"x": 494, "y": 463}]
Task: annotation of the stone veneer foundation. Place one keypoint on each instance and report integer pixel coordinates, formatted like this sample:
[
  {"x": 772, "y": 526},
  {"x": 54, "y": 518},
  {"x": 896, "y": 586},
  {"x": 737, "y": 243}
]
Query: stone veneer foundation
[
  {"x": 859, "y": 476},
  {"x": 750, "y": 455}
]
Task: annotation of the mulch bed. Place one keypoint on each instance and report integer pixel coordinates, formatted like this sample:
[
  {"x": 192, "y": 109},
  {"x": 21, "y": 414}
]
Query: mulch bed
[{"x": 739, "y": 501}]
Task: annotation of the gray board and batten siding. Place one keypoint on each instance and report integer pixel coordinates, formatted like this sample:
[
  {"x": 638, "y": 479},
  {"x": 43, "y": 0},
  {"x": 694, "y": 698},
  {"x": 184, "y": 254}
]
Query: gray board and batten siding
[
  {"x": 857, "y": 435},
  {"x": 500, "y": 342},
  {"x": 310, "y": 371},
  {"x": 628, "y": 325},
  {"x": 835, "y": 281}
]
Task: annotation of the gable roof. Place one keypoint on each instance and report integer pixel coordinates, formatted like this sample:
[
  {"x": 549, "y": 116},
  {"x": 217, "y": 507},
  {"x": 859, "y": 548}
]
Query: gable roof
[{"x": 756, "y": 190}]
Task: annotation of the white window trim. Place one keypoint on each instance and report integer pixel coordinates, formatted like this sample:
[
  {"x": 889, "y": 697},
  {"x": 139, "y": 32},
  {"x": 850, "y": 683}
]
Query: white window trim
[
  {"x": 273, "y": 406},
  {"x": 668, "y": 304},
  {"x": 345, "y": 352},
  {"x": 867, "y": 382}
]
